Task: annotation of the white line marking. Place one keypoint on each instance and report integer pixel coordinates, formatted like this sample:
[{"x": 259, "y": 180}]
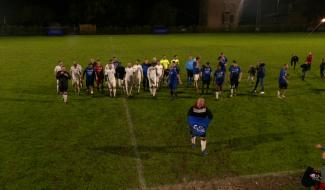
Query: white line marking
[
  {"x": 273, "y": 174},
  {"x": 141, "y": 178}
]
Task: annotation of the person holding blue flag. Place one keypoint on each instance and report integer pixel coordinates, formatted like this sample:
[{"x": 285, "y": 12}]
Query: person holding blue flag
[
  {"x": 189, "y": 69},
  {"x": 199, "y": 118}
]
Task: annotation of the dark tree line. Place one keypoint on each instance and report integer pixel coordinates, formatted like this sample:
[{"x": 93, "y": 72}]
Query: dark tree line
[
  {"x": 140, "y": 12},
  {"x": 101, "y": 12}
]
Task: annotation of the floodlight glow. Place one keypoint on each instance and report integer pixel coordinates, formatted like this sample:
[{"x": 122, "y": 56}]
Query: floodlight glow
[
  {"x": 239, "y": 12},
  {"x": 323, "y": 20}
]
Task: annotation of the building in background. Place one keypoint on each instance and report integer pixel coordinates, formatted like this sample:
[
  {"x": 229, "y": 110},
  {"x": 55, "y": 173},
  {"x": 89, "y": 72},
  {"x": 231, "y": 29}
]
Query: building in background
[{"x": 220, "y": 14}]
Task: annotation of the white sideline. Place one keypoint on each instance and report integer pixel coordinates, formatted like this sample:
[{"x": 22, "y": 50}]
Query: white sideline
[{"x": 141, "y": 178}]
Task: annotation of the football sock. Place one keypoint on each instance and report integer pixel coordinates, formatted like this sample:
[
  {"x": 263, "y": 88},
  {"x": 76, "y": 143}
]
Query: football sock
[
  {"x": 217, "y": 95},
  {"x": 203, "y": 145},
  {"x": 65, "y": 98},
  {"x": 193, "y": 140}
]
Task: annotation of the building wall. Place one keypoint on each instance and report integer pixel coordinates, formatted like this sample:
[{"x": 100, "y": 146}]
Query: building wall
[{"x": 219, "y": 14}]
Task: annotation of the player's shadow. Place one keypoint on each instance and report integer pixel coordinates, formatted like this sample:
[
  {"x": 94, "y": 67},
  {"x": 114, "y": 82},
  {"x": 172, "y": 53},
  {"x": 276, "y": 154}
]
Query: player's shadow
[
  {"x": 317, "y": 90},
  {"x": 144, "y": 151},
  {"x": 248, "y": 142},
  {"x": 40, "y": 90},
  {"x": 235, "y": 144}
]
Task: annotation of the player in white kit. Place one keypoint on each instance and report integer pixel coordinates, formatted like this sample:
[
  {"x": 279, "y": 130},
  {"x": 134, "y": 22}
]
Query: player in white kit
[
  {"x": 76, "y": 77},
  {"x": 160, "y": 74},
  {"x": 56, "y": 70},
  {"x": 128, "y": 79},
  {"x": 138, "y": 75},
  {"x": 81, "y": 71},
  {"x": 111, "y": 81},
  {"x": 153, "y": 79}
]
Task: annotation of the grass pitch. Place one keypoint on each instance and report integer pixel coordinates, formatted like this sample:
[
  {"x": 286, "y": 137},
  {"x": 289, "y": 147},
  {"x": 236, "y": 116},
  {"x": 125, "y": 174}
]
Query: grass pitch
[{"x": 86, "y": 144}]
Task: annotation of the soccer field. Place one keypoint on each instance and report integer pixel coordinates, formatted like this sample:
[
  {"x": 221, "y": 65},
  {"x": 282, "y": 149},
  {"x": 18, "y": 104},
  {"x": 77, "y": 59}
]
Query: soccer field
[{"x": 102, "y": 143}]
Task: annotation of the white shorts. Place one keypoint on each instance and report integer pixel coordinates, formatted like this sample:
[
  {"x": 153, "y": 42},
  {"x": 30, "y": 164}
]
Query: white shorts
[
  {"x": 120, "y": 82},
  {"x": 111, "y": 83},
  {"x": 196, "y": 77},
  {"x": 153, "y": 82},
  {"x": 75, "y": 82}
]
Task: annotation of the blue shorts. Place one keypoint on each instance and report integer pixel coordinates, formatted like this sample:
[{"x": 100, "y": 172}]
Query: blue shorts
[
  {"x": 283, "y": 85},
  {"x": 173, "y": 85},
  {"x": 219, "y": 82}
]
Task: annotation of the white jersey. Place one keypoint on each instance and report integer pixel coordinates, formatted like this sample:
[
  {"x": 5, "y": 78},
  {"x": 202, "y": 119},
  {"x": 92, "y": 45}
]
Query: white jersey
[
  {"x": 110, "y": 73},
  {"x": 57, "y": 69},
  {"x": 75, "y": 73},
  {"x": 152, "y": 73},
  {"x": 138, "y": 71},
  {"x": 80, "y": 68},
  {"x": 128, "y": 73},
  {"x": 160, "y": 70}
]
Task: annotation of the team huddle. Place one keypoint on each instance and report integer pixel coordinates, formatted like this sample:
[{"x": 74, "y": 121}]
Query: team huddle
[{"x": 157, "y": 73}]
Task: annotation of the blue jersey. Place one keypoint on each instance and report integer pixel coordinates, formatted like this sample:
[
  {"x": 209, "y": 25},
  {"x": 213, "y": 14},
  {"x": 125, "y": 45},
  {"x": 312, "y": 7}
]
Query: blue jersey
[
  {"x": 223, "y": 66},
  {"x": 219, "y": 76},
  {"x": 145, "y": 69},
  {"x": 189, "y": 65},
  {"x": 283, "y": 76},
  {"x": 234, "y": 72},
  {"x": 173, "y": 75},
  {"x": 206, "y": 73},
  {"x": 223, "y": 59},
  {"x": 90, "y": 73},
  {"x": 196, "y": 69}
]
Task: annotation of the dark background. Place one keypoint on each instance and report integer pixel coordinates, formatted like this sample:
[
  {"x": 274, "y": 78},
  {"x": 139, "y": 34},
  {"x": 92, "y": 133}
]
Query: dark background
[{"x": 145, "y": 12}]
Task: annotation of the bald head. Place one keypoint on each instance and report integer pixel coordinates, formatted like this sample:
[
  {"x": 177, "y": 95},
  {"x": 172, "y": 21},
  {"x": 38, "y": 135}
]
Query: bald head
[{"x": 200, "y": 103}]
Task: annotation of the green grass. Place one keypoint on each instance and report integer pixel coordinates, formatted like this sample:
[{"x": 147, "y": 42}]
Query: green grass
[{"x": 86, "y": 144}]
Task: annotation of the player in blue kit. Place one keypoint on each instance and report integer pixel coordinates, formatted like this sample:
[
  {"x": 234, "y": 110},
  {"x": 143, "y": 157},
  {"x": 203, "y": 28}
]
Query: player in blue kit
[
  {"x": 223, "y": 60},
  {"x": 206, "y": 77},
  {"x": 219, "y": 78},
  {"x": 174, "y": 80},
  {"x": 90, "y": 78},
  {"x": 196, "y": 73},
  {"x": 199, "y": 118},
  {"x": 283, "y": 81},
  {"x": 189, "y": 69},
  {"x": 234, "y": 78}
]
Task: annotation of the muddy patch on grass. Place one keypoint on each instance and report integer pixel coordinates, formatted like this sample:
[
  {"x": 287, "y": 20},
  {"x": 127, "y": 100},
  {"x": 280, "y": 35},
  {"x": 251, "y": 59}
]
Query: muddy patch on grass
[{"x": 272, "y": 181}]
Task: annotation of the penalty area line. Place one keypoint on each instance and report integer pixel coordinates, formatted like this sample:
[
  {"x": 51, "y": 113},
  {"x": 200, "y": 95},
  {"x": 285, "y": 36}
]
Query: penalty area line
[{"x": 139, "y": 164}]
